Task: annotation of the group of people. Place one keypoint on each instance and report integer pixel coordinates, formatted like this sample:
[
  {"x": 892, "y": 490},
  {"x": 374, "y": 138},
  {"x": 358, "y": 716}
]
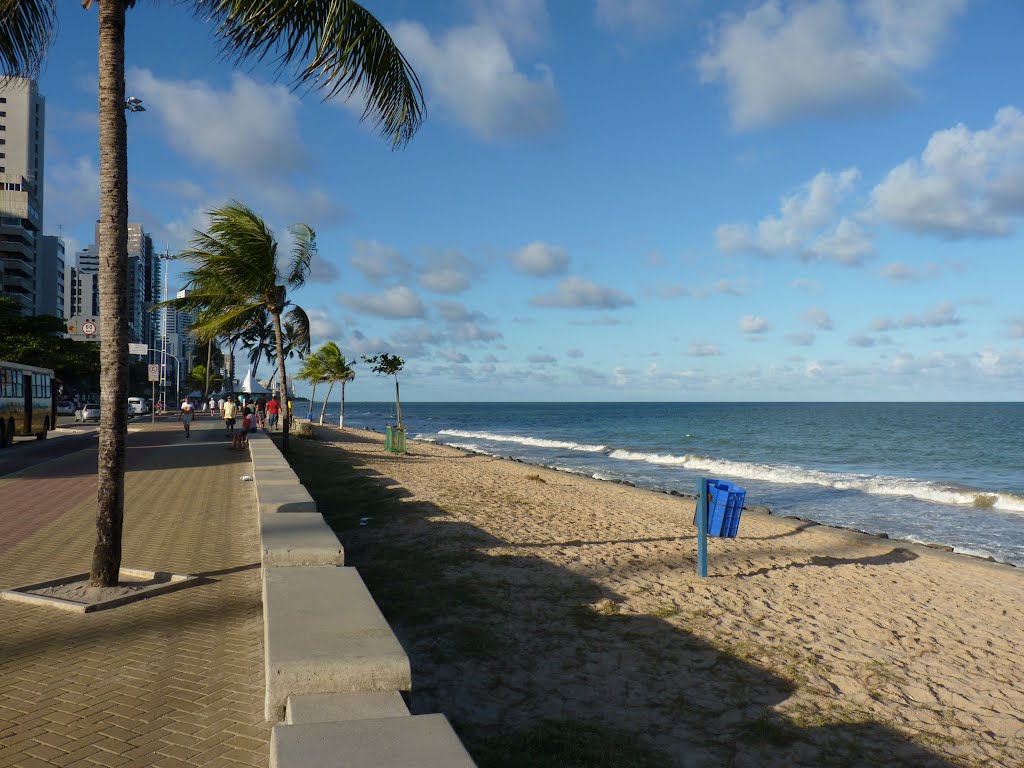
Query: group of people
[{"x": 256, "y": 414}]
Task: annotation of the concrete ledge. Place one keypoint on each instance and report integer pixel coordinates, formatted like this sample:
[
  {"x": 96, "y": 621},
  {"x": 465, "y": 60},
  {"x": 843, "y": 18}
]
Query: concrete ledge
[
  {"x": 273, "y": 474},
  {"x": 285, "y": 498},
  {"x": 298, "y": 539},
  {"x": 323, "y": 633},
  {"x": 421, "y": 741},
  {"x": 333, "y": 707}
]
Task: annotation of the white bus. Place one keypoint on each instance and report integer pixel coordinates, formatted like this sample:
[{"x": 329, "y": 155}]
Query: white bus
[{"x": 28, "y": 401}]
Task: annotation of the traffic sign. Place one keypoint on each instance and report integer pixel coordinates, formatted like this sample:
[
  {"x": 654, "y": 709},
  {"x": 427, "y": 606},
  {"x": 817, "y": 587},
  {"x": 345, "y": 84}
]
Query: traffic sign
[
  {"x": 138, "y": 349},
  {"x": 154, "y": 372},
  {"x": 89, "y": 328}
]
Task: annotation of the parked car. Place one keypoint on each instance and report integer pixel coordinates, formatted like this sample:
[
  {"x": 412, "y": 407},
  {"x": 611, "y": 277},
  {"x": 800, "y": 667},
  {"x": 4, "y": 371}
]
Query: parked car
[
  {"x": 65, "y": 408},
  {"x": 88, "y": 412},
  {"x": 137, "y": 406}
]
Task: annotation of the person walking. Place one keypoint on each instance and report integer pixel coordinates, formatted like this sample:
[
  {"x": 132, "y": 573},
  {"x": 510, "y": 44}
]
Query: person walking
[
  {"x": 187, "y": 411},
  {"x": 261, "y": 411},
  {"x": 273, "y": 411},
  {"x": 213, "y": 406},
  {"x": 228, "y": 414}
]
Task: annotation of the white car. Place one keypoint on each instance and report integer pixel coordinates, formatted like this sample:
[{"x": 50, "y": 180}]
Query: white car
[
  {"x": 137, "y": 406},
  {"x": 88, "y": 412},
  {"x": 65, "y": 408}
]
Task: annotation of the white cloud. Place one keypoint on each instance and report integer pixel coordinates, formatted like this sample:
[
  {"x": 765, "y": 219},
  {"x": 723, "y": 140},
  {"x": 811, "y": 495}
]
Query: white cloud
[
  {"x": 453, "y": 356},
  {"x": 447, "y": 272},
  {"x": 397, "y": 301},
  {"x": 940, "y": 316},
  {"x": 473, "y": 74},
  {"x": 72, "y": 192},
  {"x": 540, "y": 359},
  {"x": 861, "y": 340},
  {"x": 574, "y": 353},
  {"x": 575, "y": 292},
  {"x": 808, "y": 225},
  {"x": 456, "y": 312},
  {"x": 322, "y": 326},
  {"x": 817, "y": 317},
  {"x": 522, "y": 22},
  {"x": 637, "y": 17},
  {"x": 1015, "y": 327},
  {"x": 965, "y": 183},
  {"x": 700, "y": 349},
  {"x": 753, "y": 324},
  {"x": 323, "y": 270},
  {"x": 801, "y": 339},
  {"x": 378, "y": 262},
  {"x": 308, "y": 204},
  {"x": 249, "y": 128},
  {"x": 541, "y": 259},
  {"x": 823, "y": 58},
  {"x": 899, "y": 272}
]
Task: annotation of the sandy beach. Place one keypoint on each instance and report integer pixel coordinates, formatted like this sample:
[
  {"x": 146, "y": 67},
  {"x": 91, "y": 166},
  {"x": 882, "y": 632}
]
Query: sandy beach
[{"x": 538, "y": 605}]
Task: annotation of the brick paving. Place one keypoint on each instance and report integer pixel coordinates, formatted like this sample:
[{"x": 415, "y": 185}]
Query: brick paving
[{"x": 173, "y": 680}]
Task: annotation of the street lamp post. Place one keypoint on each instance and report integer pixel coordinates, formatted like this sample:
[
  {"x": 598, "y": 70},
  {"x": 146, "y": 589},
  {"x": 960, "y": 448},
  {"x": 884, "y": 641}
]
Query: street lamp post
[
  {"x": 165, "y": 258},
  {"x": 177, "y": 379}
]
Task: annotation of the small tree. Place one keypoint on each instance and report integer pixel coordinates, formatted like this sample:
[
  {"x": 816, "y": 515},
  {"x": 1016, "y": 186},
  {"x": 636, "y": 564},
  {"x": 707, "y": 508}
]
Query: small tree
[{"x": 389, "y": 365}]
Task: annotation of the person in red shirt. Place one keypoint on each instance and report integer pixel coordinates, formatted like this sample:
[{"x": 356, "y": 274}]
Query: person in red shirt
[{"x": 273, "y": 411}]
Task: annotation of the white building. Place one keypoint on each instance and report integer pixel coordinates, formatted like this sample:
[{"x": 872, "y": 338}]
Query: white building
[{"x": 22, "y": 128}]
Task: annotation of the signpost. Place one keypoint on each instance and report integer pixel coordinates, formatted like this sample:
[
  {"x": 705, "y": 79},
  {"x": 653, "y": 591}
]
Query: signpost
[
  {"x": 154, "y": 377},
  {"x": 89, "y": 328}
]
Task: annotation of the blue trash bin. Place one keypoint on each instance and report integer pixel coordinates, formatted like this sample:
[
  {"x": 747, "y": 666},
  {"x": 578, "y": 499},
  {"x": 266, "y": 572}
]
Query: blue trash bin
[{"x": 725, "y": 505}]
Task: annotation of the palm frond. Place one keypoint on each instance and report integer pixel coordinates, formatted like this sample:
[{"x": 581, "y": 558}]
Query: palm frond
[
  {"x": 345, "y": 49},
  {"x": 302, "y": 254},
  {"x": 27, "y": 28},
  {"x": 296, "y": 325}
]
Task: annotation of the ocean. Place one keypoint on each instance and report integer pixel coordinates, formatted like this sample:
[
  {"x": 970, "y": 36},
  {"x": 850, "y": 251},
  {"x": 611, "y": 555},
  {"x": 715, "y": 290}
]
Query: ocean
[{"x": 940, "y": 473}]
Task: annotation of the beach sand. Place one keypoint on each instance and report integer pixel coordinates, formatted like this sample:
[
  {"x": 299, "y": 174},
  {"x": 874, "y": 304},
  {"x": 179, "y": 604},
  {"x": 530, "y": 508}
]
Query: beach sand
[{"x": 527, "y": 596}]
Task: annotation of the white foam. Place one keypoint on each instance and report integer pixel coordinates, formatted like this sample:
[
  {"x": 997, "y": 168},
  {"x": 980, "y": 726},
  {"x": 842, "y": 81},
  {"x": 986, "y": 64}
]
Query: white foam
[
  {"x": 537, "y": 442},
  {"x": 943, "y": 493}
]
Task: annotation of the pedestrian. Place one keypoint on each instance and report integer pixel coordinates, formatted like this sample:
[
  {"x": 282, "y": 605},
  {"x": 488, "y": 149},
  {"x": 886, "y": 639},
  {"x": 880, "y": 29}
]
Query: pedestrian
[
  {"x": 220, "y": 404},
  {"x": 187, "y": 411},
  {"x": 228, "y": 414},
  {"x": 240, "y": 439},
  {"x": 273, "y": 411},
  {"x": 213, "y": 404},
  {"x": 261, "y": 411}
]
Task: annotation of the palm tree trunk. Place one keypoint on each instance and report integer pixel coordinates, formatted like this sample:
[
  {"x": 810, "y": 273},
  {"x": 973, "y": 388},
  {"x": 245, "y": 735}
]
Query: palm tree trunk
[
  {"x": 113, "y": 252},
  {"x": 284, "y": 379},
  {"x": 341, "y": 419},
  {"x": 209, "y": 359},
  {"x": 398, "y": 403},
  {"x": 323, "y": 408}
]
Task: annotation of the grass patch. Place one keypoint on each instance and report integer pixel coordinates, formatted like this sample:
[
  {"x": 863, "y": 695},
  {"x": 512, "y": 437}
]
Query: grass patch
[
  {"x": 769, "y": 728},
  {"x": 536, "y": 478},
  {"x": 564, "y": 744},
  {"x": 666, "y": 611}
]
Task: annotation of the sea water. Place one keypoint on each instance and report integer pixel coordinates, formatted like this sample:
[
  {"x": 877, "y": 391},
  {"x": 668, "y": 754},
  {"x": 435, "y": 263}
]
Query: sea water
[{"x": 942, "y": 473}]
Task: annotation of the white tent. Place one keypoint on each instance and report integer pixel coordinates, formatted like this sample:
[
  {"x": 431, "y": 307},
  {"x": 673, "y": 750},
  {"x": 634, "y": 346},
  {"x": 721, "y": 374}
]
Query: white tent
[{"x": 251, "y": 386}]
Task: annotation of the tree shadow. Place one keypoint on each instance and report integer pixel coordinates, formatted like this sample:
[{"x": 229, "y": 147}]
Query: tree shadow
[
  {"x": 892, "y": 557},
  {"x": 519, "y": 651}
]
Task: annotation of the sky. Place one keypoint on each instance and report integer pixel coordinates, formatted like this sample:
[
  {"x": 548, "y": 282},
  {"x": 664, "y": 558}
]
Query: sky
[{"x": 611, "y": 200}]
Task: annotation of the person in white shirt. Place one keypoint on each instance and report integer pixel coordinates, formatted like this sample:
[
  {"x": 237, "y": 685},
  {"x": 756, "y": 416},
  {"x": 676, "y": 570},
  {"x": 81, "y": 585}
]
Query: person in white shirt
[{"x": 187, "y": 411}]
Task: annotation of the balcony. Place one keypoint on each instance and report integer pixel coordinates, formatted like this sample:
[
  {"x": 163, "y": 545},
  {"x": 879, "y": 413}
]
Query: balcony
[
  {"x": 13, "y": 246},
  {"x": 26, "y": 300},
  {"x": 11, "y": 281},
  {"x": 16, "y": 230},
  {"x": 17, "y": 266}
]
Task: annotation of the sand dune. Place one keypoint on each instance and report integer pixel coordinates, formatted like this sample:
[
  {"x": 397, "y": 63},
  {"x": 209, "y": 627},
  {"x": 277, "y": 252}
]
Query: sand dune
[{"x": 580, "y": 601}]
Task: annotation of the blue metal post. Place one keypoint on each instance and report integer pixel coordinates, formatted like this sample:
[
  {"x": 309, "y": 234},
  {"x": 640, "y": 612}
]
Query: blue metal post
[{"x": 702, "y": 527}]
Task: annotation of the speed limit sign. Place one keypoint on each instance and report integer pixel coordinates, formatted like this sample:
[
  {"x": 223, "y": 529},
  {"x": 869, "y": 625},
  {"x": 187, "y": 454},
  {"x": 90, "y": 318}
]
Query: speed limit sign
[{"x": 89, "y": 328}]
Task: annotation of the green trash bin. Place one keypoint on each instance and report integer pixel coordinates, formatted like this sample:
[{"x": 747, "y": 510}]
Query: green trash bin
[{"x": 394, "y": 439}]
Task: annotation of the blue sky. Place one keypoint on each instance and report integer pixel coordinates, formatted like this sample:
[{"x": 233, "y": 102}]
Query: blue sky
[{"x": 613, "y": 200}]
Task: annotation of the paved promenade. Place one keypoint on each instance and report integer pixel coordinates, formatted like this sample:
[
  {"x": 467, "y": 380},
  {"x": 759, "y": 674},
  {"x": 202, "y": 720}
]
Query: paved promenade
[{"x": 174, "y": 680}]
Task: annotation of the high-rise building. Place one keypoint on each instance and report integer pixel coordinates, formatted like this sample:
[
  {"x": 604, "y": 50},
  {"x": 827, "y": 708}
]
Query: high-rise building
[
  {"x": 82, "y": 295},
  {"x": 22, "y": 128},
  {"x": 50, "y": 283}
]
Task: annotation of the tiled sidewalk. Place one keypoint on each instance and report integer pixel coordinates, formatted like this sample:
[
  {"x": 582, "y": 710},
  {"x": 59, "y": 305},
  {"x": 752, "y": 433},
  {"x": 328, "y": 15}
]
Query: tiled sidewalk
[{"x": 175, "y": 680}]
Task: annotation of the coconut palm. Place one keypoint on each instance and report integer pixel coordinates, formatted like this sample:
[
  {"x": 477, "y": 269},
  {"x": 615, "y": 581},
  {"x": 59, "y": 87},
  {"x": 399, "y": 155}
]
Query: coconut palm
[
  {"x": 313, "y": 372},
  {"x": 236, "y": 280},
  {"x": 336, "y": 370},
  {"x": 335, "y": 46}
]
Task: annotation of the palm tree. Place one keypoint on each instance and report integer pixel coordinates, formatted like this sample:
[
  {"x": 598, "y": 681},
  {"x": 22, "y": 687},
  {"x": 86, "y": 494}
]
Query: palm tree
[
  {"x": 236, "y": 280},
  {"x": 333, "y": 45},
  {"x": 312, "y": 372},
  {"x": 336, "y": 370}
]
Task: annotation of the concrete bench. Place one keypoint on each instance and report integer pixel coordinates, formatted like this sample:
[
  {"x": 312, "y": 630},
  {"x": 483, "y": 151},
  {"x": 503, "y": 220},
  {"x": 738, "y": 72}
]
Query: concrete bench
[
  {"x": 333, "y": 707},
  {"x": 296, "y": 539},
  {"x": 283, "y": 498},
  {"x": 323, "y": 633},
  {"x": 420, "y": 741}
]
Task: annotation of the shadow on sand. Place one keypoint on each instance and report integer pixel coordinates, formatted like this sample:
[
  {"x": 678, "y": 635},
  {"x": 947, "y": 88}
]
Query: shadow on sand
[{"x": 534, "y": 665}]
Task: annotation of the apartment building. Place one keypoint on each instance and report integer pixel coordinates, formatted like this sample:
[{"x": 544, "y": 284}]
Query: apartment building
[{"x": 22, "y": 128}]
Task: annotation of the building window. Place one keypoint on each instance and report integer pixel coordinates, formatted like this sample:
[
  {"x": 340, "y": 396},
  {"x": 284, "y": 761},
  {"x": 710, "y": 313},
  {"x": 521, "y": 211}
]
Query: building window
[{"x": 2, "y": 113}]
